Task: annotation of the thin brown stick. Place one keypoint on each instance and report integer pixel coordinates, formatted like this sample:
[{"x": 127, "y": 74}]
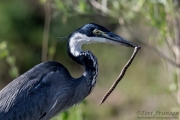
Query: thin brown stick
[{"x": 123, "y": 71}]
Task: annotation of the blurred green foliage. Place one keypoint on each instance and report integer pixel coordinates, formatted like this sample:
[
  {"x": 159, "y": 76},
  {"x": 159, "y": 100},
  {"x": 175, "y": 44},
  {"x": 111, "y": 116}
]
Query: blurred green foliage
[
  {"x": 9, "y": 59},
  {"x": 149, "y": 83}
]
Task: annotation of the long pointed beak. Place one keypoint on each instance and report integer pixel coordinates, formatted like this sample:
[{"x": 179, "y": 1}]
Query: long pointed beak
[{"x": 115, "y": 39}]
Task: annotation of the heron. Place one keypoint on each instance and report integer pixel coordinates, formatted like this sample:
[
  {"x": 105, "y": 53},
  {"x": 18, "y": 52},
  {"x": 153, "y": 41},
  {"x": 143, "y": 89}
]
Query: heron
[{"x": 48, "y": 88}]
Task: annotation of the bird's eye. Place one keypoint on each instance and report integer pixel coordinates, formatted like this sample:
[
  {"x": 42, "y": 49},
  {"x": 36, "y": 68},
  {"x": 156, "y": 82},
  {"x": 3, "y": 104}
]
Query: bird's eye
[{"x": 97, "y": 32}]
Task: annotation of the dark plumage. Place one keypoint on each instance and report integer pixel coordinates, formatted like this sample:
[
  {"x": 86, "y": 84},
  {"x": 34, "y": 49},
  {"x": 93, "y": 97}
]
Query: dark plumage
[
  {"x": 88, "y": 29},
  {"x": 48, "y": 88}
]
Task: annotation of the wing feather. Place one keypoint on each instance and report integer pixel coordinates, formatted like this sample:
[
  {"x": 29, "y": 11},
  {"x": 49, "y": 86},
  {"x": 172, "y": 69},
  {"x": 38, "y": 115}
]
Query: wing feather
[{"x": 26, "y": 97}]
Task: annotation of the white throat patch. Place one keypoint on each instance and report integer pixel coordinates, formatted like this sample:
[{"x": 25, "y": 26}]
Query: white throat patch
[{"x": 78, "y": 39}]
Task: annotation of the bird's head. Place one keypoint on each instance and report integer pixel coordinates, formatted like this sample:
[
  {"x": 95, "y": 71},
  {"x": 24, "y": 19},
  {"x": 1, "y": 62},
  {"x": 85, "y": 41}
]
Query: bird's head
[{"x": 91, "y": 33}]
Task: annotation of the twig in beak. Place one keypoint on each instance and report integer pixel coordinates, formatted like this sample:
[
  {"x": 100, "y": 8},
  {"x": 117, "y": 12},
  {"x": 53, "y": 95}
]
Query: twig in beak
[{"x": 123, "y": 71}]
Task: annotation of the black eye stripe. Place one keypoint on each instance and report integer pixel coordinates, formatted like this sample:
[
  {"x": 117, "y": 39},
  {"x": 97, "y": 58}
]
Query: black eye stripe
[{"x": 97, "y": 32}]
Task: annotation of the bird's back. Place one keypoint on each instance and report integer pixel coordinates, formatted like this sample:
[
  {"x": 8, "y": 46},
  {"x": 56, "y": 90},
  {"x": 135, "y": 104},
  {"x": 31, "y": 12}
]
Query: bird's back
[{"x": 28, "y": 96}]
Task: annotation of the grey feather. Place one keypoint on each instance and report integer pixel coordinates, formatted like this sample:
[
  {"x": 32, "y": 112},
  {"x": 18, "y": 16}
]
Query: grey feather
[
  {"x": 36, "y": 92},
  {"x": 48, "y": 88}
]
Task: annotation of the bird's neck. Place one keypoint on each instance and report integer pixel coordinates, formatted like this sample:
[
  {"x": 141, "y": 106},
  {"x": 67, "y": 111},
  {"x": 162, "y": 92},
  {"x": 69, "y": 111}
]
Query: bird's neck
[
  {"x": 88, "y": 60},
  {"x": 90, "y": 64}
]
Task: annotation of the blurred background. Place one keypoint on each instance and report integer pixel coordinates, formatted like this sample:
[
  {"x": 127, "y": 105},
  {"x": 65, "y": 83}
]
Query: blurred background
[{"x": 28, "y": 36}]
